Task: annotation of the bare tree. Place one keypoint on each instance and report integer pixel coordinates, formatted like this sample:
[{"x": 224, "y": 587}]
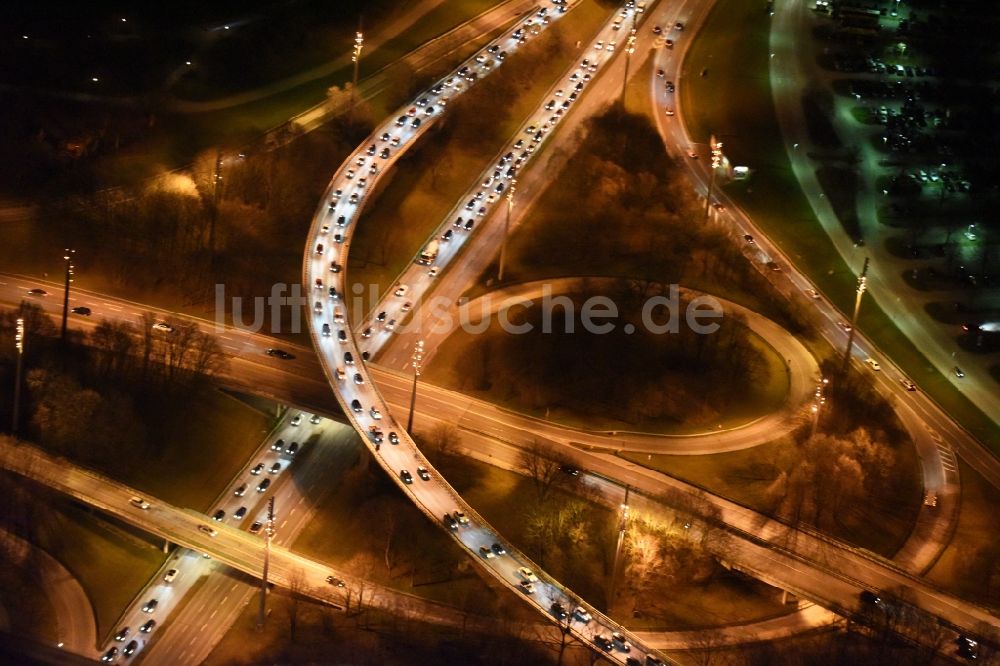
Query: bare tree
[
  {"x": 296, "y": 584},
  {"x": 542, "y": 464},
  {"x": 444, "y": 438}
]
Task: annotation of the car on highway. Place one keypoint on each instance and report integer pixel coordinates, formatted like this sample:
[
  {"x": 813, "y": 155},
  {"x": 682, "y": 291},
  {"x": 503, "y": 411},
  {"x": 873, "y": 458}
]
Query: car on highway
[
  {"x": 657, "y": 30},
  {"x": 958, "y": 372},
  {"x": 163, "y": 327},
  {"x": 668, "y": 111},
  {"x": 669, "y": 43},
  {"x": 907, "y": 384},
  {"x": 669, "y": 86},
  {"x": 374, "y": 413},
  {"x": 170, "y": 576},
  {"x": 873, "y": 364},
  {"x": 219, "y": 516},
  {"x": 526, "y": 587},
  {"x": 566, "y": 468},
  {"x": 812, "y": 293},
  {"x": 336, "y": 582},
  {"x": 558, "y": 610},
  {"x": 81, "y": 310},
  {"x": 37, "y": 292},
  {"x": 774, "y": 266},
  {"x": 603, "y": 642},
  {"x": 122, "y": 633},
  {"x": 498, "y": 549},
  {"x": 279, "y": 353},
  {"x": 130, "y": 649},
  {"x": 263, "y": 485},
  {"x": 293, "y": 448},
  {"x": 275, "y": 468},
  {"x": 485, "y": 552},
  {"x": 255, "y": 528},
  {"x": 450, "y": 522},
  {"x": 393, "y": 438},
  {"x": 241, "y": 490},
  {"x": 279, "y": 445},
  {"x": 423, "y": 473},
  {"x": 402, "y": 290},
  {"x": 147, "y": 626},
  {"x": 406, "y": 477},
  {"x": 527, "y": 574},
  {"x": 240, "y": 513},
  {"x": 678, "y": 26},
  {"x": 356, "y": 406},
  {"x": 358, "y": 378},
  {"x": 110, "y": 655},
  {"x": 210, "y": 531},
  {"x": 844, "y": 325},
  {"x": 619, "y": 640},
  {"x": 461, "y": 518},
  {"x": 257, "y": 469},
  {"x": 660, "y": 73},
  {"x": 582, "y": 615},
  {"x": 139, "y": 503},
  {"x": 296, "y": 420},
  {"x": 151, "y": 604},
  {"x": 930, "y": 499},
  {"x": 408, "y": 305}
]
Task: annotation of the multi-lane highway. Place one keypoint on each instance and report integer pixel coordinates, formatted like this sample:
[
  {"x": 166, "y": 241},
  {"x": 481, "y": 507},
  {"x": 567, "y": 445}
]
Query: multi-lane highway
[{"x": 324, "y": 270}]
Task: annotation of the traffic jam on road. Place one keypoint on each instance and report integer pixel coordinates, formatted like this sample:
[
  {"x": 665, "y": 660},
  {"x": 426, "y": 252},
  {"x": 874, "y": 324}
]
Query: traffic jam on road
[
  {"x": 344, "y": 362},
  {"x": 242, "y": 505}
]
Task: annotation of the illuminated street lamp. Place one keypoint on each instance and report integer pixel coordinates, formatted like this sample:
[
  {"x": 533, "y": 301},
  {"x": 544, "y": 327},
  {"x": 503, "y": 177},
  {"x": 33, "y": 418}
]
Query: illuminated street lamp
[
  {"x": 506, "y": 227},
  {"x": 418, "y": 359},
  {"x": 717, "y": 158},
  {"x": 359, "y": 43},
  {"x": 269, "y": 532},
  {"x": 19, "y": 346},
  {"x": 862, "y": 287},
  {"x": 68, "y": 258}
]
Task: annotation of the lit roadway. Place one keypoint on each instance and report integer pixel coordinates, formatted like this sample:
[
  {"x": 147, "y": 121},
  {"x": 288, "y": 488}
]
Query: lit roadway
[
  {"x": 912, "y": 406},
  {"x": 447, "y": 400},
  {"x": 885, "y": 277},
  {"x": 363, "y": 404},
  {"x": 270, "y": 370},
  {"x": 230, "y": 546}
]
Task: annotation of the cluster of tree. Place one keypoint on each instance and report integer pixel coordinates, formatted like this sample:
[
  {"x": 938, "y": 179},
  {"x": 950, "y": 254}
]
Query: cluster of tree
[
  {"x": 682, "y": 377},
  {"x": 88, "y": 399},
  {"x": 621, "y": 201},
  {"x": 658, "y": 556},
  {"x": 231, "y": 218},
  {"x": 831, "y": 478}
]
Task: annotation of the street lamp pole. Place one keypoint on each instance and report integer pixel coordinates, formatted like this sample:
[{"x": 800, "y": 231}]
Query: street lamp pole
[
  {"x": 268, "y": 535},
  {"x": 862, "y": 286},
  {"x": 418, "y": 357},
  {"x": 19, "y": 346},
  {"x": 629, "y": 50},
  {"x": 622, "y": 526},
  {"x": 216, "y": 177},
  {"x": 68, "y": 257},
  {"x": 818, "y": 401},
  {"x": 506, "y": 228},
  {"x": 716, "y": 163},
  {"x": 359, "y": 43}
]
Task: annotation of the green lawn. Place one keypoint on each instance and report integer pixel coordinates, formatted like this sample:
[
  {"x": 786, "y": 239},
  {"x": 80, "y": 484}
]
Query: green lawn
[
  {"x": 969, "y": 565},
  {"x": 201, "y": 449},
  {"x": 734, "y": 101},
  {"x": 111, "y": 561}
]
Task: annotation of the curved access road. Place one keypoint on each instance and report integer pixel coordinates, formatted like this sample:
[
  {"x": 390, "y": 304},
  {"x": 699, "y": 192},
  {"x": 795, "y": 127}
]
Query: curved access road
[
  {"x": 802, "y": 368},
  {"x": 77, "y": 625}
]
